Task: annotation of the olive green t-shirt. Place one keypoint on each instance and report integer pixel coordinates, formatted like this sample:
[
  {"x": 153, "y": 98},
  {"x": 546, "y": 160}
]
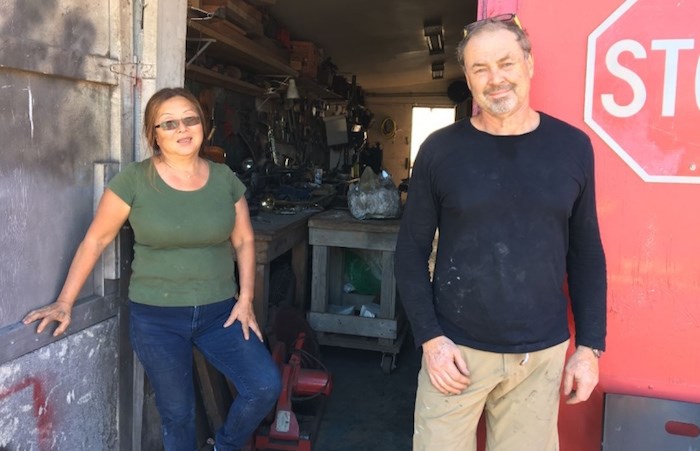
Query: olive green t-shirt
[{"x": 182, "y": 249}]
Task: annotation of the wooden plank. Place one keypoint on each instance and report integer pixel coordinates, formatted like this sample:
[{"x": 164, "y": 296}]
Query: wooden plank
[
  {"x": 353, "y": 325},
  {"x": 366, "y": 343},
  {"x": 214, "y": 390},
  {"x": 300, "y": 258},
  {"x": 19, "y": 339},
  {"x": 245, "y": 21},
  {"x": 384, "y": 341},
  {"x": 319, "y": 279},
  {"x": 214, "y": 78},
  {"x": 240, "y": 50},
  {"x": 286, "y": 241},
  {"x": 343, "y": 220},
  {"x": 355, "y": 239},
  {"x": 246, "y": 16},
  {"x": 261, "y": 298},
  {"x": 137, "y": 401},
  {"x": 274, "y": 47},
  {"x": 226, "y": 27},
  {"x": 262, "y": 252},
  {"x": 268, "y": 225},
  {"x": 336, "y": 270},
  {"x": 387, "y": 298},
  {"x": 262, "y": 2}
]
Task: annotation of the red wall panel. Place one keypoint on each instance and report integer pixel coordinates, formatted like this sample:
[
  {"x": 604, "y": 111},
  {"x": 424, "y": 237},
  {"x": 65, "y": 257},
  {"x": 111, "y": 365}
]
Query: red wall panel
[{"x": 650, "y": 230}]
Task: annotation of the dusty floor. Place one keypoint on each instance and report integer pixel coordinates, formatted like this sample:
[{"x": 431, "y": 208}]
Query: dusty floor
[{"x": 368, "y": 410}]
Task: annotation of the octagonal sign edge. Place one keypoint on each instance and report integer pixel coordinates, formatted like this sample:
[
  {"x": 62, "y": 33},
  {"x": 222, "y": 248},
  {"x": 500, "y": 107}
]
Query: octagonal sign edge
[{"x": 590, "y": 101}]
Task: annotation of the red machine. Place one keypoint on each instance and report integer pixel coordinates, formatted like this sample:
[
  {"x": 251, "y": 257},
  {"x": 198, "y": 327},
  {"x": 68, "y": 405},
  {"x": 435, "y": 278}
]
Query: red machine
[{"x": 298, "y": 384}]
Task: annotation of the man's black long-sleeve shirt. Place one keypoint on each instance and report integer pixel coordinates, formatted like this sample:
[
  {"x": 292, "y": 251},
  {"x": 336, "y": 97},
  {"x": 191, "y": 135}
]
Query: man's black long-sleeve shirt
[{"x": 517, "y": 220}]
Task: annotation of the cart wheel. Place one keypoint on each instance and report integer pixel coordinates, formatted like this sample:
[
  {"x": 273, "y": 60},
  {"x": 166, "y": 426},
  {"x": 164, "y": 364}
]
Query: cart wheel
[{"x": 388, "y": 363}]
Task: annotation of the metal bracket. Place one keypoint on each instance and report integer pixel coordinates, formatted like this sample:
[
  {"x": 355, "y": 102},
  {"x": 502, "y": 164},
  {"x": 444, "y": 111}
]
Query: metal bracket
[
  {"x": 134, "y": 70},
  {"x": 207, "y": 43},
  {"x": 108, "y": 266}
]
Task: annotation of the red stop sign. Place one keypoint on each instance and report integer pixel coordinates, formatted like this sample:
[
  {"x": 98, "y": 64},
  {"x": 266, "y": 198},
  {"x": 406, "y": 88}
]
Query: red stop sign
[{"x": 643, "y": 87}]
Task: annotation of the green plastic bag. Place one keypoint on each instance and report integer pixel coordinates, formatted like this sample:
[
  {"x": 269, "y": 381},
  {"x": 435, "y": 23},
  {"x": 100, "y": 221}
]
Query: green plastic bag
[{"x": 363, "y": 269}]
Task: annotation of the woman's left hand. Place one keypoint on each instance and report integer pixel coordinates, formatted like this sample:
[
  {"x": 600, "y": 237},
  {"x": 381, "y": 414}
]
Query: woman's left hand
[{"x": 243, "y": 312}]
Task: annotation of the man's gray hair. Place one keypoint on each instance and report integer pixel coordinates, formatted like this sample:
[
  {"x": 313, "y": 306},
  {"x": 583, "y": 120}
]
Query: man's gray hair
[{"x": 490, "y": 24}]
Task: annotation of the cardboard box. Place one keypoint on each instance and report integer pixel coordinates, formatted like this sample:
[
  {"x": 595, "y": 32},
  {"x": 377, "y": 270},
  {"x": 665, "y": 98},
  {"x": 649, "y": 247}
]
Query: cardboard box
[
  {"x": 305, "y": 49},
  {"x": 308, "y": 54},
  {"x": 296, "y": 64}
]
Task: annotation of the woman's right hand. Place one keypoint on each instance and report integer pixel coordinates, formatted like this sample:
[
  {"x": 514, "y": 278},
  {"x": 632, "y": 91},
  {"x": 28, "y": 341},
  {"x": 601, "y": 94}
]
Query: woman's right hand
[{"x": 58, "y": 311}]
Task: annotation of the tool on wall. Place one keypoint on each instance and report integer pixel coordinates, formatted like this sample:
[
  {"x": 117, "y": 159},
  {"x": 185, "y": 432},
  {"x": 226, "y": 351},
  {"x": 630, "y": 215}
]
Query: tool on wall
[{"x": 388, "y": 128}]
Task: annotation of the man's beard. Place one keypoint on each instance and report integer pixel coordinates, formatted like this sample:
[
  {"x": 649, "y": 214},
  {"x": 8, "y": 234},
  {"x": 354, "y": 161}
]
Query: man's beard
[{"x": 502, "y": 105}]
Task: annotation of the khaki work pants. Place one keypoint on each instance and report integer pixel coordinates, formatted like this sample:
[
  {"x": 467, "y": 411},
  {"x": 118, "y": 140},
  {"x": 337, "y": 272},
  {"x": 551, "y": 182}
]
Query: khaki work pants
[{"x": 519, "y": 393}]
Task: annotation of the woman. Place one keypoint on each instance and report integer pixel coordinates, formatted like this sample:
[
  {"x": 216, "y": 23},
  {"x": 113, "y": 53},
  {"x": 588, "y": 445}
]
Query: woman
[{"x": 186, "y": 213}]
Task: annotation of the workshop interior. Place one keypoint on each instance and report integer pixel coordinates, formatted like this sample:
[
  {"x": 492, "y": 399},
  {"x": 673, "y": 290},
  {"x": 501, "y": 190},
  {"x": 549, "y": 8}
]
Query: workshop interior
[{"x": 316, "y": 120}]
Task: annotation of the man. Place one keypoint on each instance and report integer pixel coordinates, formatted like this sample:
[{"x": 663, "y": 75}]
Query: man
[{"x": 511, "y": 193}]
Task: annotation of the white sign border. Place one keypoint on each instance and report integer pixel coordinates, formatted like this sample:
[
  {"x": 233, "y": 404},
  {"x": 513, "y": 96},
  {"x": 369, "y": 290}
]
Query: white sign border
[{"x": 588, "y": 106}]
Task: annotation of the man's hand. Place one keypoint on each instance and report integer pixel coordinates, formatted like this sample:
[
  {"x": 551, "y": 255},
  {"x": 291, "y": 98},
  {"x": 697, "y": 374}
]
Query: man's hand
[
  {"x": 580, "y": 375},
  {"x": 447, "y": 369}
]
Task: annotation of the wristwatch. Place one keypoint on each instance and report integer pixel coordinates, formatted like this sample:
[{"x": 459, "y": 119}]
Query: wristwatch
[{"x": 597, "y": 352}]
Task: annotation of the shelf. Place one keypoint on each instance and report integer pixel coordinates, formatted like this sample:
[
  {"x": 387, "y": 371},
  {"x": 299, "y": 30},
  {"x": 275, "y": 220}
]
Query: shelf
[
  {"x": 211, "y": 77},
  {"x": 237, "y": 49},
  {"x": 313, "y": 89},
  {"x": 231, "y": 46}
]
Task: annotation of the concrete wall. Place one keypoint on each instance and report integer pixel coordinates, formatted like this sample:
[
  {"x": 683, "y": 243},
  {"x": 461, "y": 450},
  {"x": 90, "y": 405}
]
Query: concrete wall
[
  {"x": 398, "y": 149},
  {"x": 62, "y": 396},
  {"x": 74, "y": 77},
  {"x": 53, "y": 129}
]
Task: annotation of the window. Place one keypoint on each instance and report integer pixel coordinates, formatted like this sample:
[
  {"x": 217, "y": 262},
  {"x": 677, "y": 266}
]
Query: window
[{"x": 425, "y": 121}]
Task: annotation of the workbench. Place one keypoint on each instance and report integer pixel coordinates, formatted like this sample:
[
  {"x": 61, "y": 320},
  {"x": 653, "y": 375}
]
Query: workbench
[
  {"x": 276, "y": 234},
  {"x": 330, "y": 233}
]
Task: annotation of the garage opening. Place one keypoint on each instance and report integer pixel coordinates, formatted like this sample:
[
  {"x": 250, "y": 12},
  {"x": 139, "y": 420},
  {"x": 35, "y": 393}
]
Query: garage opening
[{"x": 426, "y": 120}]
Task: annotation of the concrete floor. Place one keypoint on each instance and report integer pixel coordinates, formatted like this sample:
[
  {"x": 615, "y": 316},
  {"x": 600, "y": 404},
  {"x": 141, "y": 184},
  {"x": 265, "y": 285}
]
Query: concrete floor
[{"x": 368, "y": 410}]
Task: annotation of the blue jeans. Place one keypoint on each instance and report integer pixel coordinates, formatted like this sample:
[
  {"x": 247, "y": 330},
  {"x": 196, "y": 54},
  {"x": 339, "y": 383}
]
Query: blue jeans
[{"x": 162, "y": 338}]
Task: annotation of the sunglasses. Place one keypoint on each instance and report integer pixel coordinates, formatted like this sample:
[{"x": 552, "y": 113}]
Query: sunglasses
[
  {"x": 509, "y": 18},
  {"x": 173, "y": 124}
]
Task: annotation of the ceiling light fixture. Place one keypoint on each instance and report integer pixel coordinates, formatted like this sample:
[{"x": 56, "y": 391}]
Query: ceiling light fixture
[
  {"x": 438, "y": 70},
  {"x": 292, "y": 90},
  {"x": 286, "y": 89},
  {"x": 434, "y": 38}
]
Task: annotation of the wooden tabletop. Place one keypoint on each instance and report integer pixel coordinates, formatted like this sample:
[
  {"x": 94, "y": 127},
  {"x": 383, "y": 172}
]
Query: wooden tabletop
[
  {"x": 343, "y": 220},
  {"x": 267, "y": 225}
]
